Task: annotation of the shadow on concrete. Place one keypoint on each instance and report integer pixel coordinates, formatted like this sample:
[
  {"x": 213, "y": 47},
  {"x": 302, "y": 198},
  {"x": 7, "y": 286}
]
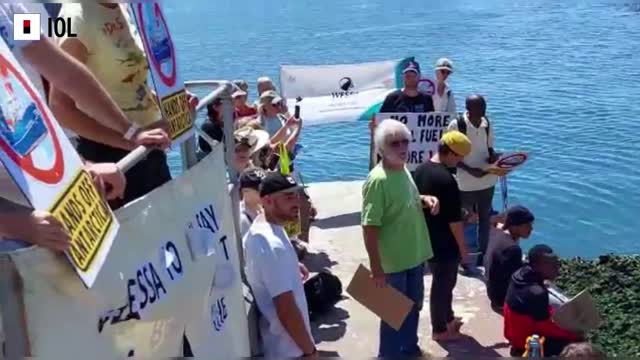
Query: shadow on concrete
[
  {"x": 316, "y": 262},
  {"x": 338, "y": 221},
  {"x": 468, "y": 347},
  {"x": 330, "y": 326}
]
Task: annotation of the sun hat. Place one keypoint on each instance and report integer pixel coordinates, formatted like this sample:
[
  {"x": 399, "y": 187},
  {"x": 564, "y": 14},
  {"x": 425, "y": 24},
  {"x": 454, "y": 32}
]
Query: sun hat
[
  {"x": 456, "y": 141},
  {"x": 444, "y": 64}
]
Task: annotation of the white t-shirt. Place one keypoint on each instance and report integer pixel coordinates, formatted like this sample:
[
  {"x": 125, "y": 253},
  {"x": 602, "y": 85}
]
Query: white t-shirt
[
  {"x": 446, "y": 102},
  {"x": 272, "y": 269},
  {"x": 246, "y": 219},
  {"x": 478, "y": 156}
]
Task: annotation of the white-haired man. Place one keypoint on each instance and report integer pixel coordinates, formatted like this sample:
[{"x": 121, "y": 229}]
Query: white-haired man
[
  {"x": 395, "y": 232},
  {"x": 265, "y": 83}
]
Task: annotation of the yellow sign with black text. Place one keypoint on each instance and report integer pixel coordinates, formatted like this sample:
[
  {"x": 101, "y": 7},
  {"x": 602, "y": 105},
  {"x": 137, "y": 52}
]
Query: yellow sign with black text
[
  {"x": 175, "y": 108},
  {"x": 86, "y": 217}
]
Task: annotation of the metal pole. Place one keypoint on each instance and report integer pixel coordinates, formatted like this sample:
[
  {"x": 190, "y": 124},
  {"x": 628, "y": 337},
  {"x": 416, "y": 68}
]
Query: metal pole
[{"x": 229, "y": 141}]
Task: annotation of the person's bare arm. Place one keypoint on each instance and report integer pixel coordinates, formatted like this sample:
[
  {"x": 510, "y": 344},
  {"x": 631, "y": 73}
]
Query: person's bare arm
[
  {"x": 72, "y": 83},
  {"x": 457, "y": 229},
  {"x": 293, "y": 322},
  {"x": 291, "y": 142},
  {"x": 371, "y": 236},
  {"x": 63, "y": 68}
]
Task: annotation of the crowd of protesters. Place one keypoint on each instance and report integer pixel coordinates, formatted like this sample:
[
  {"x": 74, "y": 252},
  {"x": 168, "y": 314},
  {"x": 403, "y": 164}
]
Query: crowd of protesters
[{"x": 97, "y": 86}]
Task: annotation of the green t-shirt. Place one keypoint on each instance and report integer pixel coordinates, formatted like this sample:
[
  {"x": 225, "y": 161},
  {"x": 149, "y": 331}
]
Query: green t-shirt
[{"x": 390, "y": 200}]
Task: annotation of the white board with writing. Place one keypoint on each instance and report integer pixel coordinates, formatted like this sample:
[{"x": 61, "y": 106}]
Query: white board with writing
[
  {"x": 42, "y": 162},
  {"x": 426, "y": 131}
]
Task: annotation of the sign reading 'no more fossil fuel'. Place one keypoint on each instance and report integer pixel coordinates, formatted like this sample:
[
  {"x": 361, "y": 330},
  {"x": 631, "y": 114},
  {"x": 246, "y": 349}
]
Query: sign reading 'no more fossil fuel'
[{"x": 49, "y": 173}]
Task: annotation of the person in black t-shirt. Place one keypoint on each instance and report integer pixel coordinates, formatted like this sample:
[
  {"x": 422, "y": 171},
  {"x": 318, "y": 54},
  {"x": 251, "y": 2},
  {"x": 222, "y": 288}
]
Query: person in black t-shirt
[
  {"x": 213, "y": 126},
  {"x": 408, "y": 99},
  {"x": 445, "y": 230}
]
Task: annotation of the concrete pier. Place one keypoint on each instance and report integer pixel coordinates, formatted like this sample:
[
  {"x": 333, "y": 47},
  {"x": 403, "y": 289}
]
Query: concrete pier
[{"x": 351, "y": 330}]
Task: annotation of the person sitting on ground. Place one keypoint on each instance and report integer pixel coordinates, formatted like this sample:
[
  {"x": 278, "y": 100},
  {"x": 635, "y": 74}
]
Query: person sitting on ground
[
  {"x": 275, "y": 274},
  {"x": 504, "y": 255},
  {"x": 582, "y": 350},
  {"x": 250, "y": 208},
  {"x": 396, "y": 236},
  {"x": 526, "y": 309},
  {"x": 443, "y": 99},
  {"x": 212, "y": 126},
  {"x": 241, "y": 107}
]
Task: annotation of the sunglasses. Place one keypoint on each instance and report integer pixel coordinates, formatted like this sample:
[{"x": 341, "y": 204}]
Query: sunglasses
[{"x": 397, "y": 143}]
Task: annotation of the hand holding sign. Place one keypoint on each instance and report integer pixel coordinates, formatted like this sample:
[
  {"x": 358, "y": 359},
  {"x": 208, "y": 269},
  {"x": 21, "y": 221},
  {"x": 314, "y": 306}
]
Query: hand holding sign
[
  {"x": 108, "y": 179},
  {"x": 507, "y": 163},
  {"x": 153, "y": 138},
  {"x": 37, "y": 228}
]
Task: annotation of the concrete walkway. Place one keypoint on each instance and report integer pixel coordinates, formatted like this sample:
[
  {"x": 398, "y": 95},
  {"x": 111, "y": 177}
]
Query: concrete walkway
[{"x": 351, "y": 330}]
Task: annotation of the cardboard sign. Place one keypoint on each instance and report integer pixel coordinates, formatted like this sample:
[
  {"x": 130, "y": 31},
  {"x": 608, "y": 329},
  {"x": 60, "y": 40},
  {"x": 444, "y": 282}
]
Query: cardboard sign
[
  {"x": 578, "y": 314},
  {"x": 42, "y": 162},
  {"x": 388, "y": 303},
  {"x": 167, "y": 80},
  {"x": 426, "y": 131}
]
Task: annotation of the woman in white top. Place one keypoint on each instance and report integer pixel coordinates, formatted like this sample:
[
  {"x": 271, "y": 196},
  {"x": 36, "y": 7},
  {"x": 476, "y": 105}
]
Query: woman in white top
[{"x": 443, "y": 99}]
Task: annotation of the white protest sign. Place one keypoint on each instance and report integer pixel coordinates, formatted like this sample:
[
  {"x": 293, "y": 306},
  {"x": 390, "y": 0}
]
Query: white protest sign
[
  {"x": 426, "y": 131},
  {"x": 343, "y": 92},
  {"x": 49, "y": 172},
  {"x": 151, "y": 290},
  {"x": 167, "y": 79}
]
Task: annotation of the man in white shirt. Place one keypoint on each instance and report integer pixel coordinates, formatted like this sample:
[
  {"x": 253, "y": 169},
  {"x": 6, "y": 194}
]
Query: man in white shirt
[
  {"x": 443, "y": 99},
  {"x": 250, "y": 208},
  {"x": 274, "y": 273},
  {"x": 476, "y": 179}
]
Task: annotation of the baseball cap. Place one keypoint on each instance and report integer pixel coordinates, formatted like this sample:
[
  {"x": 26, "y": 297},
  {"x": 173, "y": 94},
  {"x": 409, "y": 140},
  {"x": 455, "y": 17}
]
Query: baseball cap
[
  {"x": 238, "y": 93},
  {"x": 275, "y": 182},
  {"x": 252, "y": 178},
  {"x": 270, "y": 97},
  {"x": 518, "y": 215},
  {"x": 456, "y": 141},
  {"x": 412, "y": 66},
  {"x": 444, "y": 64}
]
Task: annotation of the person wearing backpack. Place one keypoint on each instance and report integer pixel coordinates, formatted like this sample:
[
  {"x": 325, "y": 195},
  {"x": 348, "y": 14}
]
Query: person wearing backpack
[{"x": 475, "y": 180}]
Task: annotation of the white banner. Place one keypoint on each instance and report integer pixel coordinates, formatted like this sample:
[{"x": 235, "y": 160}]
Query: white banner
[
  {"x": 163, "y": 63},
  {"x": 42, "y": 162},
  {"x": 346, "y": 92},
  {"x": 426, "y": 131},
  {"x": 173, "y": 269}
]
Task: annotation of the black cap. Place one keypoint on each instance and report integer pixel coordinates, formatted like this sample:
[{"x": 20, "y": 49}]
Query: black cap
[
  {"x": 518, "y": 215},
  {"x": 251, "y": 178},
  {"x": 275, "y": 182},
  {"x": 412, "y": 66}
]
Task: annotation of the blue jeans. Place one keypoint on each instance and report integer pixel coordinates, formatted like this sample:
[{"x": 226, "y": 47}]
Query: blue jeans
[{"x": 404, "y": 342}]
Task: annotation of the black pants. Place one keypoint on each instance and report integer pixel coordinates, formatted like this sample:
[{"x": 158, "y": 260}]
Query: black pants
[
  {"x": 146, "y": 175},
  {"x": 551, "y": 347},
  {"x": 445, "y": 276}
]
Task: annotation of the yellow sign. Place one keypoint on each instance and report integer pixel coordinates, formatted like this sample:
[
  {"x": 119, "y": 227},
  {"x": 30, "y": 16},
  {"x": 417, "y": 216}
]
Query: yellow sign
[
  {"x": 86, "y": 217},
  {"x": 175, "y": 108}
]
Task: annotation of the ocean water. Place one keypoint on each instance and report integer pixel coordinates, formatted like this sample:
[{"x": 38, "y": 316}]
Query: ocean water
[{"x": 562, "y": 81}]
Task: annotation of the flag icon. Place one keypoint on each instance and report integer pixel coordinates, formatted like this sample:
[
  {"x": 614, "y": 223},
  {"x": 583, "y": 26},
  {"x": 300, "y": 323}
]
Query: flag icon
[{"x": 26, "y": 26}]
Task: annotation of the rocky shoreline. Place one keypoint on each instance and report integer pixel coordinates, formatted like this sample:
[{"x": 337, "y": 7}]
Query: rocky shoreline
[{"x": 614, "y": 283}]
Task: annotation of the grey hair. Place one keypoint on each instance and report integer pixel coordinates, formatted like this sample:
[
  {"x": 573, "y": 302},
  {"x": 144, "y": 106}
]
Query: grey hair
[
  {"x": 389, "y": 128},
  {"x": 264, "y": 80}
]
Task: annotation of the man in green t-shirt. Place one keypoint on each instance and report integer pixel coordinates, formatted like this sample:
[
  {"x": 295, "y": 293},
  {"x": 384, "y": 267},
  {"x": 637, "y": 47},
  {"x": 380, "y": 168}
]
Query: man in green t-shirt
[{"x": 395, "y": 233}]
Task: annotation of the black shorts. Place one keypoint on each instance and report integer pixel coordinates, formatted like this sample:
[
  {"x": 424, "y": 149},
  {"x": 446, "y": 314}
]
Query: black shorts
[{"x": 146, "y": 175}]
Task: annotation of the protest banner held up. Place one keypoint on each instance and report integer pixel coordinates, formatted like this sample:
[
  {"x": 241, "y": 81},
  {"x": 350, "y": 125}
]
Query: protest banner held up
[
  {"x": 167, "y": 79},
  {"x": 44, "y": 165},
  {"x": 426, "y": 131},
  {"x": 173, "y": 271}
]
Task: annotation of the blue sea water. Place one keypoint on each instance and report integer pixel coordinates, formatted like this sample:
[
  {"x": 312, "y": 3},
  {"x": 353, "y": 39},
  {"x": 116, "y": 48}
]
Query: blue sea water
[{"x": 562, "y": 80}]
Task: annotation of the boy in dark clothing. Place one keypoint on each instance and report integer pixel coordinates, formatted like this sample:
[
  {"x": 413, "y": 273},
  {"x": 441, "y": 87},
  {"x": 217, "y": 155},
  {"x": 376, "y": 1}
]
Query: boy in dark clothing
[
  {"x": 408, "y": 99},
  {"x": 527, "y": 311},
  {"x": 445, "y": 230},
  {"x": 504, "y": 255}
]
